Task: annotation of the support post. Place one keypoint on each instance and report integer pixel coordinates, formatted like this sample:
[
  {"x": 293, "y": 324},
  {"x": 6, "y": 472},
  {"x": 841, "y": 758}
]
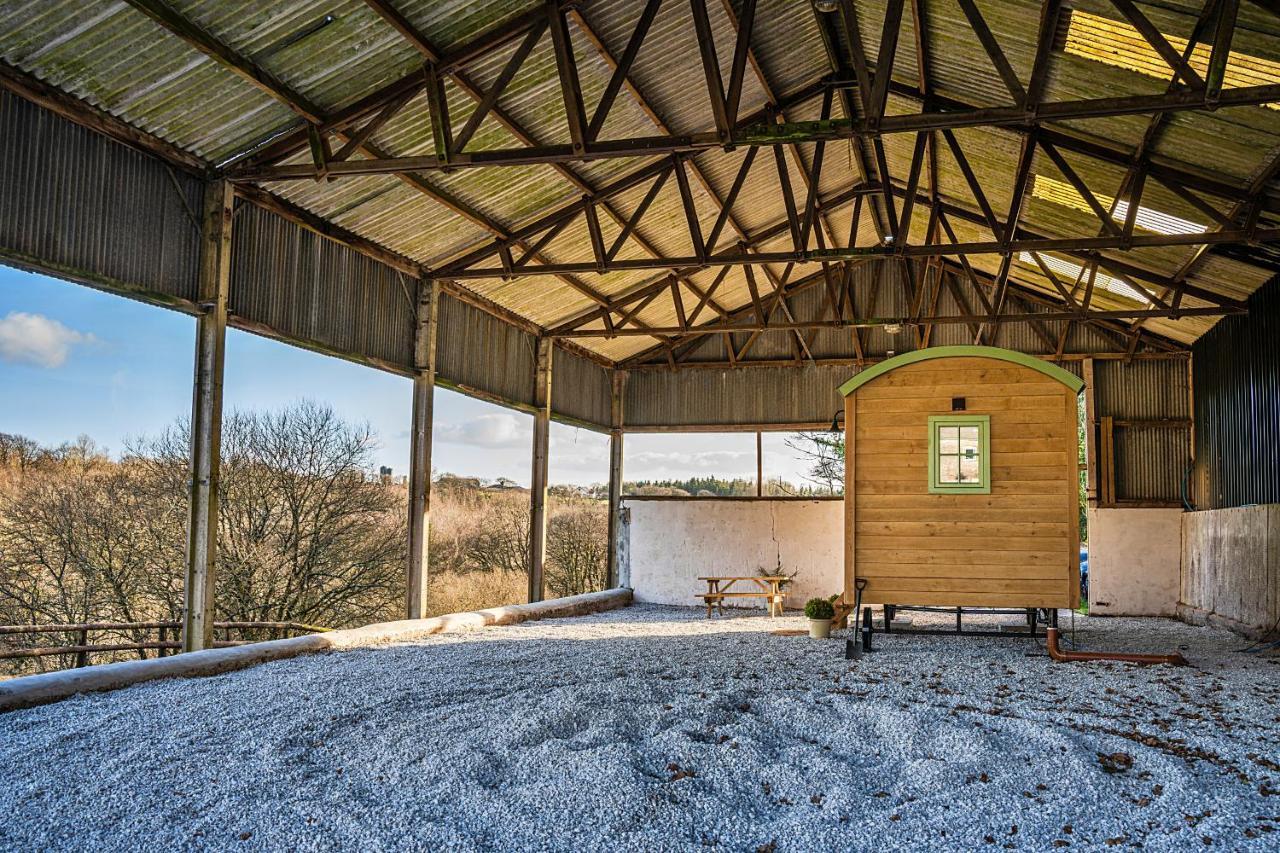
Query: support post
[
  {"x": 538, "y": 480},
  {"x": 424, "y": 386},
  {"x": 759, "y": 464},
  {"x": 1090, "y": 437},
  {"x": 1107, "y": 474},
  {"x": 615, "y": 474},
  {"x": 206, "y": 416}
]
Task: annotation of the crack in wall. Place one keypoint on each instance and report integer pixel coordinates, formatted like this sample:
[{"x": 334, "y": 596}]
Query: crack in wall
[{"x": 773, "y": 534}]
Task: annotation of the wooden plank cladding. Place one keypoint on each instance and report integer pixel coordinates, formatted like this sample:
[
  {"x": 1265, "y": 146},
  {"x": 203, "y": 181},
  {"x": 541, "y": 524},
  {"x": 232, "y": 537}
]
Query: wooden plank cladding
[{"x": 1011, "y": 540}]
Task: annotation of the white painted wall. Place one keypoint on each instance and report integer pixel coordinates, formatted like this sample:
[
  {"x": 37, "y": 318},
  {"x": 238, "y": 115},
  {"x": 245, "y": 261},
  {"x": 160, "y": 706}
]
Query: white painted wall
[
  {"x": 672, "y": 543},
  {"x": 1135, "y": 560},
  {"x": 1135, "y": 554}
]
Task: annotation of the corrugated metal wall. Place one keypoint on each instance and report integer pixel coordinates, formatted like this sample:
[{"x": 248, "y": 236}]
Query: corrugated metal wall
[
  {"x": 760, "y": 395},
  {"x": 580, "y": 388},
  {"x": 77, "y": 205},
  {"x": 1236, "y": 368},
  {"x": 318, "y": 292},
  {"x": 1151, "y": 459},
  {"x": 322, "y": 294},
  {"x": 80, "y": 206},
  {"x": 477, "y": 350}
]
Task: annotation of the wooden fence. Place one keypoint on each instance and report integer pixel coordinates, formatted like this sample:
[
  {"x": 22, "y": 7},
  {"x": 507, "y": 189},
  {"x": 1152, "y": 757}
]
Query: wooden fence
[{"x": 168, "y": 637}]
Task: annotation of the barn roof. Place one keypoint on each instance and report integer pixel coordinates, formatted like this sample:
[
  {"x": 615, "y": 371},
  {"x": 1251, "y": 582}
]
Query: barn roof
[{"x": 836, "y": 132}]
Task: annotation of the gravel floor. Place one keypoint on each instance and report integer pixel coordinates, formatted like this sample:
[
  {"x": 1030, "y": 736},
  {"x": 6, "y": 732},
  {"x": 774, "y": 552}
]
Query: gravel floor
[{"x": 655, "y": 729}]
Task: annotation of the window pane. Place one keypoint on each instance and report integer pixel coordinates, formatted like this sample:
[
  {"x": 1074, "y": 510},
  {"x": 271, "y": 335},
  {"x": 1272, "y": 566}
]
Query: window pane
[
  {"x": 969, "y": 470},
  {"x": 949, "y": 439},
  {"x": 969, "y": 439},
  {"x": 948, "y": 469}
]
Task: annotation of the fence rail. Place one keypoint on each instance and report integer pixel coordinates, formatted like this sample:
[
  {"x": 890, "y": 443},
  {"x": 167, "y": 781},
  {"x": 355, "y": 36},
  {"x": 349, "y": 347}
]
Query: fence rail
[{"x": 162, "y": 646}]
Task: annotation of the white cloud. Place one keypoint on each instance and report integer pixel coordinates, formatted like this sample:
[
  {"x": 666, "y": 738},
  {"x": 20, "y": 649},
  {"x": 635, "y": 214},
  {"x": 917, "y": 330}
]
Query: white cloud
[
  {"x": 720, "y": 462},
  {"x": 496, "y": 430},
  {"x": 39, "y": 340}
]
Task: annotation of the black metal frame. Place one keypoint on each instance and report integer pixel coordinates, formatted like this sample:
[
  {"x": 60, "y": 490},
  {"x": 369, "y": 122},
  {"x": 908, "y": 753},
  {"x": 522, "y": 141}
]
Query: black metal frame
[{"x": 1032, "y": 615}]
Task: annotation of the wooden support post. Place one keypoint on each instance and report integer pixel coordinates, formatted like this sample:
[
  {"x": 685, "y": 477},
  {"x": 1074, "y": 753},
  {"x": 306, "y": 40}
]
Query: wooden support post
[
  {"x": 206, "y": 416},
  {"x": 1108, "y": 462},
  {"x": 424, "y": 386},
  {"x": 1090, "y": 437},
  {"x": 759, "y": 464},
  {"x": 615, "y": 474},
  {"x": 1194, "y": 487},
  {"x": 850, "y": 502},
  {"x": 538, "y": 480}
]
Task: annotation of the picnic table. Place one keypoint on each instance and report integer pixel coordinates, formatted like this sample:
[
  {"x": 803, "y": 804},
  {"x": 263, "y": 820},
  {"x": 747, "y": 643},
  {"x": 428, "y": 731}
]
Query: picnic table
[{"x": 768, "y": 587}]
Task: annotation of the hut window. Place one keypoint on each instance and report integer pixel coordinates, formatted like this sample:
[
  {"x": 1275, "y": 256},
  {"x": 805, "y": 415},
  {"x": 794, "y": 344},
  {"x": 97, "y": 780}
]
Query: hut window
[{"x": 959, "y": 454}]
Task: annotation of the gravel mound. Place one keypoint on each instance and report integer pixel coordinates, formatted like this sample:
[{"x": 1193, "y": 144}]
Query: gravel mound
[{"x": 653, "y": 728}]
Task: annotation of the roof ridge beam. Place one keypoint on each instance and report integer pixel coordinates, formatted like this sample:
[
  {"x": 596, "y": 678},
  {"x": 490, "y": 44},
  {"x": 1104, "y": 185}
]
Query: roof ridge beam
[{"x": 757, "y": 133}]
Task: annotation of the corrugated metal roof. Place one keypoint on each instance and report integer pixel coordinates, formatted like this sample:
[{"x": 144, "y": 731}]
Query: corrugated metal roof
[
  {"x": 119, "y": 60},
  {"x": 334, "y": 52}
]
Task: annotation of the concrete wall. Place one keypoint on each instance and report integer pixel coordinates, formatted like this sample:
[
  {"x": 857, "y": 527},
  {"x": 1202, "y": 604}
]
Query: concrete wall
[
  {"x": 1218, "y": 566},
  {"x": 1231, "y": 568},
  {"x": 671, "y": 543},
  {"x": 1134, "y": 561}
]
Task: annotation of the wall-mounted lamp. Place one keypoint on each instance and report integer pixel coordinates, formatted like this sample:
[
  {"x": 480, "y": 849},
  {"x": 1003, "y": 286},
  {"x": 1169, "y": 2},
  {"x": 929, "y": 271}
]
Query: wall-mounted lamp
[{"x": 835, "y": 420}]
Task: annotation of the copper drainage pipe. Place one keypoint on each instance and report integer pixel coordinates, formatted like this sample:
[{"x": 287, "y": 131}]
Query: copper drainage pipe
[{"x": 1051, "y": 641}]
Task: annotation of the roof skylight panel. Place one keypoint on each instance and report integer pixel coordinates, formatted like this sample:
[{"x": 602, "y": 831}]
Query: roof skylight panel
[
  {"x": 1072, "y": 271},
  {"x": 1119, "y": 44},
  {"x": 1148, "y": 218}
]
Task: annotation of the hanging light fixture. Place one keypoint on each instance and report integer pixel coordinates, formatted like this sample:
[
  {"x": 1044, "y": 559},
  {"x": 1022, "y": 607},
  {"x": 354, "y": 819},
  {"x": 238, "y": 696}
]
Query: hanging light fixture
[{"x": 826, "y": 5}]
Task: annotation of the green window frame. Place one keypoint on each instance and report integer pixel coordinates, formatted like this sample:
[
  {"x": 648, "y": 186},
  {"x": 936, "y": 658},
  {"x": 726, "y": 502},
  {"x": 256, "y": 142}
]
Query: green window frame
[{"x": 954, "y": 442}]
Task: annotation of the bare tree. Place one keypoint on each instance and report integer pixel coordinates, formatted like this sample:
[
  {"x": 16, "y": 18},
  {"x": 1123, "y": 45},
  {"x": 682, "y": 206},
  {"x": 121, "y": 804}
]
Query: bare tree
[
  {"x": 84, "y": 539},
  {"x": 577, "y": 547},
  {"x": 500, "y": 542},
  {"x": 306, "y": 533},
  {"x": 824, "y": 451}
]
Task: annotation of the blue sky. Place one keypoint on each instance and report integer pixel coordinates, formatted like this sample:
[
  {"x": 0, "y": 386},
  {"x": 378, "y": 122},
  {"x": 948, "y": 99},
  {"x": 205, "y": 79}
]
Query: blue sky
[{"x": 75, "y": 361}]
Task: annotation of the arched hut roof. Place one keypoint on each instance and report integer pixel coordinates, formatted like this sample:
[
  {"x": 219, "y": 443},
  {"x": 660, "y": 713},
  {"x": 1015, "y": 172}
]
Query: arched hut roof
[{"x": 1047, "y": 368}]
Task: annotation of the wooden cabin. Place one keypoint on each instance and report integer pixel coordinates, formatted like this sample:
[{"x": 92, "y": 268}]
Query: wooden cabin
[{"x": 961, "y": 480}]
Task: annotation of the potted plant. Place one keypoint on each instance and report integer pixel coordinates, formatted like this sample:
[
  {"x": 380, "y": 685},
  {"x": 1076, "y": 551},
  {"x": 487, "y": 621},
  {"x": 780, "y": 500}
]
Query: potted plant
[{"x": 821, "y": 611}]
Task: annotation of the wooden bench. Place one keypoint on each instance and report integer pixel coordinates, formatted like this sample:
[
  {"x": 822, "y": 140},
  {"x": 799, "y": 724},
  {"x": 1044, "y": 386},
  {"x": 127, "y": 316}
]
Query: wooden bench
[{"x": 768, "y": 587}]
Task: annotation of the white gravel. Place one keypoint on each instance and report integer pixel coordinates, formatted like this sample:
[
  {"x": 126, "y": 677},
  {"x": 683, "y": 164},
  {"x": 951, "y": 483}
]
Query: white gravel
[{"x": 656, "y": 729}]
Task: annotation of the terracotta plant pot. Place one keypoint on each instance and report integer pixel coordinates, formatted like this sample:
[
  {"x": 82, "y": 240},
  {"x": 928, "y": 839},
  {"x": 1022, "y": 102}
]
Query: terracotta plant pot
[{"x": 820, "y": 629}]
